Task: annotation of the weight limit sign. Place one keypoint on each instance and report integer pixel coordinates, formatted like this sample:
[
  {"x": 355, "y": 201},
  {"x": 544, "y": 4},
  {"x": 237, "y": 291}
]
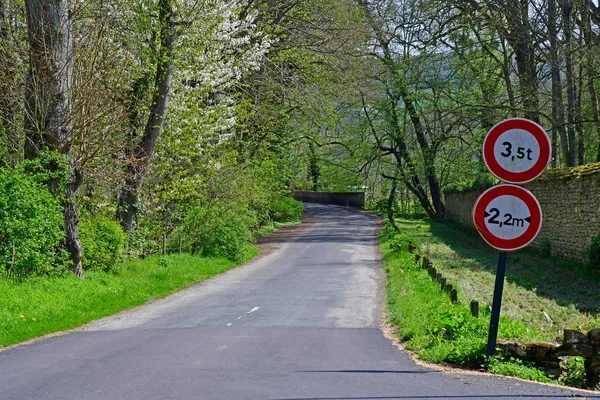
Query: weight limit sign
[
  {"x": 516, "y": 150},
  {"x": 508, "y": 217}
]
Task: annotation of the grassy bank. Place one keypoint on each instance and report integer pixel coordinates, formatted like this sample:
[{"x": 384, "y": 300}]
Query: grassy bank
[
  {"x": 38, "y": 306},
  {"x": 546, "y": 293},
  {"x": 442, "y": 332}
]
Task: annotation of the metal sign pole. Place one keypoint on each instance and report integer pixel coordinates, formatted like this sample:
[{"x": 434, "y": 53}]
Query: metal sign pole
[
  {"x": 495, "y": 317},
  {"x": 515, "y": 150}
]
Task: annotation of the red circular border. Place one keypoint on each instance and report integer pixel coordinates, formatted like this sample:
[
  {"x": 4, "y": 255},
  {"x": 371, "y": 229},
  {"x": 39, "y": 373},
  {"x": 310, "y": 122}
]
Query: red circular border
[
  {"x": 516, "y": 177},
  {"x": 507, "y": 190}
]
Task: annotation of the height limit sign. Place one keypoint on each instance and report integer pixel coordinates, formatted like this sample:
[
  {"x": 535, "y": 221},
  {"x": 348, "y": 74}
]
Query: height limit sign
[{"x": 509, "y": 217}]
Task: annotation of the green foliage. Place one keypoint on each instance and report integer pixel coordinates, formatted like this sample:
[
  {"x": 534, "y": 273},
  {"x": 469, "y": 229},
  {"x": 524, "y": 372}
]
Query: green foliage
[
  {"x": 216, "y": 231},
  {"x": 49, "y": 168},
  {"x": 145, "y": 239},
  {"x": 406, "y": 209},
  {"x": 593, "y": 254},
  {"x": 102, "y": 241},
  {"x": 482, "y": 180},
  {"x": 287, "y": 209},
  {"x": 30, "y": 227},
  {"x": 515, "y": 367},
  {"x": 380, "y": 206},
  {"x": 573, "y": 371}
]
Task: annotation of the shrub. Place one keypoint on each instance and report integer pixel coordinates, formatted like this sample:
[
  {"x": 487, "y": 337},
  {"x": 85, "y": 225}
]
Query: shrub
[
  {"x": 380, "y": 206},
  {"x": 102, "y": 240},
  {"x": 287, "y": 209},
  {"x": 217, "y": 231},
  {"x": 30, "y": 227}
]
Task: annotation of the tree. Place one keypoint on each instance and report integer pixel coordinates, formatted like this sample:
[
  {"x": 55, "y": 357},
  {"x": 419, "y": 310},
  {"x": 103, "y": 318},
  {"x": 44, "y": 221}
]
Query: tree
[
  {"x": 48, "y": 123},
  {"x": 139, "y": 158},
  {"x": 203, "y": 50}
]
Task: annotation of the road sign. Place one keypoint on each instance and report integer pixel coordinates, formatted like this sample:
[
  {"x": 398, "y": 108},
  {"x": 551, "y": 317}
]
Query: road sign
[
  {"x": 516, "y": 150},
  {"x": 508, "y": 217}
]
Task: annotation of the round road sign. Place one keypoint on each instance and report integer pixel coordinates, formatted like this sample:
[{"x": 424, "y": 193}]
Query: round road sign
[
  {"x": 508, "y": 217},
  {"x": 516, "y": 150}
]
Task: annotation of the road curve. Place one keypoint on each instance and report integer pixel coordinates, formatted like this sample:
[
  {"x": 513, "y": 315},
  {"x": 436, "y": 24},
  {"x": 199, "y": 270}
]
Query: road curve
[{"x": 301, "y": 322}]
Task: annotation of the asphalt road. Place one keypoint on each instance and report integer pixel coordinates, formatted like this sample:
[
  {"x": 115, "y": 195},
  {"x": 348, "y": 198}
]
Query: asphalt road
[{"x": 301, "y": 322}]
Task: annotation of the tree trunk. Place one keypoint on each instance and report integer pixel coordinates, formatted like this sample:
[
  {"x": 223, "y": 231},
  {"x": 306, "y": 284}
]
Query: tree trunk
[
  {"x": 402, "y": 155},
  {"x": 390, "y": 205},
  {"x": 595, "y": 108},
  {"x": 48, "y": 124},
  {"x": 567, "y": 9},
  {"x": 71, "y": 215},
  {"x": 520, "y": 39},
  {"x": 558, "y": 111},
  {"x": 590, "y": 53},
  {"x": 9, "y": 92},
  {"x": 506, "y": 74},
  {"x": 138, "y": 164},
  {"x": 426, "y": 151},
  {"x": 314, "y": 172},
  {"x": 579, "y": 118}
]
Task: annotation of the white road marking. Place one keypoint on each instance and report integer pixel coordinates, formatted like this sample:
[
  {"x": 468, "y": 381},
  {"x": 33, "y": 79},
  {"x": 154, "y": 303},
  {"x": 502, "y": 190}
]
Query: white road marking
[
  {"x": 249, "y": 312},
  {"x": 242, "y": 316}
]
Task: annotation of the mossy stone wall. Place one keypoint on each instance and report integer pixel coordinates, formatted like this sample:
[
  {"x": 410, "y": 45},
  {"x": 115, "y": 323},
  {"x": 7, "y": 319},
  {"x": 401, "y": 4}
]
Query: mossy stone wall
[{"x": 570, "y": 201}]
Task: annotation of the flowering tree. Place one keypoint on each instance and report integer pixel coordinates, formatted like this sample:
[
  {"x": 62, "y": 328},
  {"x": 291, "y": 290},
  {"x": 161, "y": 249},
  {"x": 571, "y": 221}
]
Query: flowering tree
[{"x": 204, "y": 48}]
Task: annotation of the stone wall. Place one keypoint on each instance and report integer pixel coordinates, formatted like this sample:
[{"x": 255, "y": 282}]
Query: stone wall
[
  {"x": 349, "y": 199},
  {"x": 547, "y": 356},
  {"x": 570, "y": 201},
  {"x": 459, "y": 206}
]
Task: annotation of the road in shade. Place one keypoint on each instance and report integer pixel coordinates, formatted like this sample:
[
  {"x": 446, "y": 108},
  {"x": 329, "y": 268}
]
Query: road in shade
[{"x": 300, "y": 322}]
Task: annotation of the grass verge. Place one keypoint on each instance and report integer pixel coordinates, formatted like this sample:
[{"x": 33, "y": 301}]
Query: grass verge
[
  {"x": 441, "y": 332},
  {"x": 548, "y": 294},
  {"x": 38, "y": 306}
]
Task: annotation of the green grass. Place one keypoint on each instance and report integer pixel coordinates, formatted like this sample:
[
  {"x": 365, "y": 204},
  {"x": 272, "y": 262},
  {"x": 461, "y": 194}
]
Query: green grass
[
  {"x": 536, "y": 288},
  {"x": 38, "y": 306},
  {"x": 433, "y": 327},
  {"x": 441, "y": 332}
]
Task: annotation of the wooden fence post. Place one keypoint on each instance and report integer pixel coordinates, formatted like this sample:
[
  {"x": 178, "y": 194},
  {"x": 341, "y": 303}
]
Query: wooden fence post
[
  {"x": 475, "y": 308},
  {"x": 454, "y": 296}
]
